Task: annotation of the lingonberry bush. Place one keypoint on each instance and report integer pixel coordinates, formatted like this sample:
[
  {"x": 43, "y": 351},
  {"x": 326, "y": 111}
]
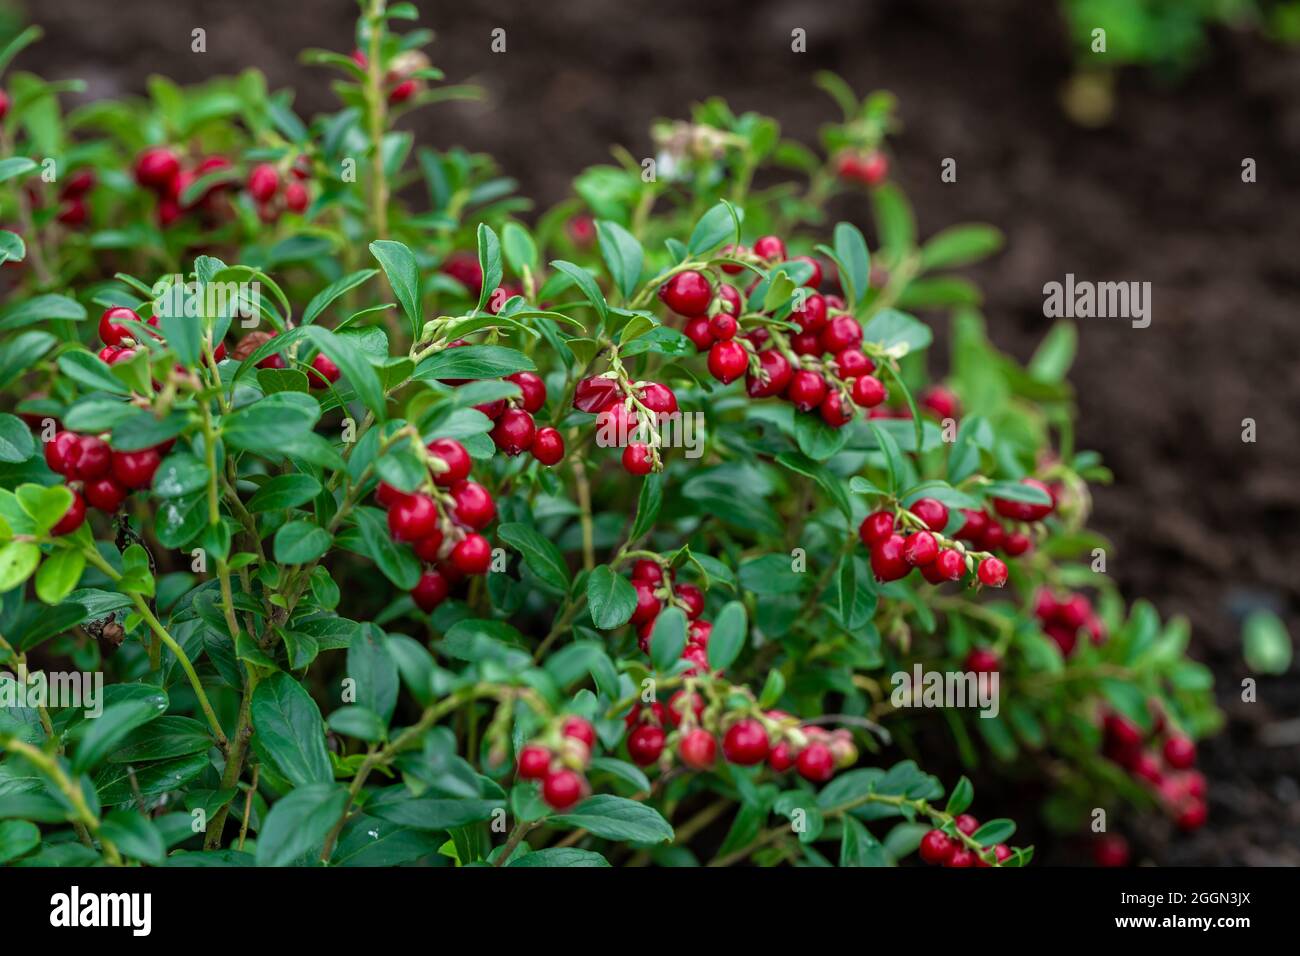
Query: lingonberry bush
[{"x": 403, "y": 531}]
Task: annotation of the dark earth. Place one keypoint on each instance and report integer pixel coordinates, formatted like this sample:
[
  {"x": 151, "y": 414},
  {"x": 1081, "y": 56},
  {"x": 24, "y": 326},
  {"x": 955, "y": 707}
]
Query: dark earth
[{"x": 1200, "y": 520}]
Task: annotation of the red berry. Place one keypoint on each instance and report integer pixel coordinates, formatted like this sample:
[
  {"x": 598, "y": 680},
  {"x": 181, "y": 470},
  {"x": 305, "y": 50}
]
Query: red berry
[
  {"x": 887, "y": 561},
  {"x": 841, "y": 332},
  {"x": 961, "y": 859},
  {"x": 692, "y": 597},
  {"x": 732, "y": 250},
  {"x": 976, "y": 524},
  {"x": 429, "y": 547},
  {"x": 727, "y": 361},
  {"x": 91, "y": 458},
  {"x": 876, "y": 526},
  {"x": 402, "y": 92},
  {"x": 835, "y": 411},
  {"x": 4, "y": 104},
  {"x": 933, "y": 512},
  {"x": 637, "y": 459},
  {"x": 110, "y": 333},
  {"x": 687, "y": 293},
  {"x": 781, "y": 757},
  {"x": 699, "y": 633},
  {"x": 72, "y": 211},
  {"x": 874, "y": 168},
  {"x": 982, "y": 660},
  {"x": 430, "y": 591},
  {"x": 645, "y": 744},
  {"x": 73, "y": 517},
  {"x": 992, "y": 572},
  {"x": 296, "y": 197},
  {"x": 1192, "y": 816},
  {"x": 941, "y": 401},
  {"x": 936, "y": 847},
  {"x": 61, "y": 451},
  {"x": 595, "y": 394},
  {"x": 1110, "y": 850},
  {"x": 105, "y": 494},
  {"x": 156, "y": 167},
  {"x": 135, "y": 469},
  {"x": 412, "y": 518},
  {"x": 806, "y": 343},
  {"x": 1002, "y": 852},
  {"x": 1147, "y": 768},
  {"x": 698, "y": 331},
  {"x": 807, "y": 390},
  {"x": 1122, "y": 731},
  {"x": 387, "y": 496},
  {"x": 852, "y": 363},
  {"x": 472, "y": 554},
  {"x": 966, "y": 823},
  {"x": 698, "y": 749},
  {"x": 815, "y": 279},
  {"x": 651, "y": 572},
  {"x": 647, "y": 605},
  {"x": 532, "y": 390},
  {"x": 920, "y": 548},
  {"x": 1180, "y": 753},
  {"x": 659, "y": 399},
  {"x": 1194, "y": 784},
  {"x": 868, "y": 391},
  {"x": 548, "y": 446},
  {"x": 263, "y": 182},
  {"x": 812, "y": 317},
  {"x": 473, "y": 506},
  {"x": 562, "y": 789},
  {"x": 730, "y": 299},
  {"x": 770, "y": 248},
  {"x": 773, "y": 378},
  {"x": 534, "y": 762},
  {"x": 1016, "y": 543},
  {"x": 680, "y": 702},
  {"x": 697, "y": 656},
  {"x": 514, "y": 431},
  {"x": 324, "y": 372},
  {"x": 745, "y": 743},
  {"x": 579, "y": 728},
  {"x": 816, "y": 763},
  {"x": 723, "y": 326},
  {"x": 993, "y": 537},
  {"x": 452, "y": 454}
]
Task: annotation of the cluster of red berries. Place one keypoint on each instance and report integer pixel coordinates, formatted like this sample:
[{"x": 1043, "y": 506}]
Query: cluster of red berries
[
  {"x": 265, "y": 188},
  {"x": 119, "y": 340},
  {"x": 97, "y": 474},
  {"x": 558, "y": 759},
  {"x": 159, "y": 170},
  {"x": 1062, "y": 619},
  {"x": 655, "y": 590},
  {"x": 747, "y": 740},
  {"x": 1180, "y": 788},
  {"x": 442, "y": 527},
  {"x": 939, "y": 849},
  {"x": 623, "y": 410},
  {"x": 894, "y": 553},
  {"x": 399, "y": 82},
  {"x": 869, "y": 168},
  {"x": 821, "y": 367},
  {"x": 72, "y": 198},
  {"x": 515, "y": 431}
]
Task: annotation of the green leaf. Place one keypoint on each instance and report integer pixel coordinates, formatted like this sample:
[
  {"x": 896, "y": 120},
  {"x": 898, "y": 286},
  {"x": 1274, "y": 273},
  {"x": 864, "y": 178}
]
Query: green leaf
[
  {"x": 858, "y": 847},
  {"x": 112, "y": 727},
  {"x": 326, "y": 296},
  {"x": 647, "y": 508},
  {"x": 41, "y": 308},
  {"x": 299, "y": 823},
  {"x": 558, "y": 856},
  {"x": 519, "y": 248},
  {"x": 135, "y": 835},
  {"x": 713, "y": 229},
  {"x": 474, "y": 361},
  {"x": 489, "y": 260},
  {"x": 290, "y": 730},
  {"x": 16, "y": 166},
  {"x": 610, "y": 597},
  {"x": 16, "y": 443},
  {"x": 898, "y": 332},
  {"x": 397, "y": 562},
  {"x": 893, "y": 456},
  {"x": 540, "y": 554},
  {"x": 1016, "y": 491},
  {"x": 995, "y": 831},
  {"x": 961, "y": 797},
  {"x": 284, "y": 491},
  {"x": 18, "y": 559},
  {"x": 587, "y": 285},
  {"x": 59, "y": 574},
  {"x": 17, "y": 837},
  {"x": 623, "y": 255},
  {"x": 1266, "y": 644},
  {"x": 959, "y": 246},
  {"x": 854, "y": 261},
  {"x": 88, "y": 370},
  {"x": 617, "y": 818},
  {"x": 272, "y": 423},
  {"x": 299, "y": 542},
  {"x": 895, "y": 223},
  {"x": 730, "y": 629},
  {"x": 373, "y": 668},
  {"x": 357, "y": 369},
  {"x": 1055, "y": 354},
  {"x": 403, "y": 274},
  {"x": 668, "y": 638},
  {"x": 163, "y": 739}
]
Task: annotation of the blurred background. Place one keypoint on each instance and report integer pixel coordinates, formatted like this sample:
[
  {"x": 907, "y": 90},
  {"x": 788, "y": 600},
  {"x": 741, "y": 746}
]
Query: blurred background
[{"x": 1118, "y": 166}]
